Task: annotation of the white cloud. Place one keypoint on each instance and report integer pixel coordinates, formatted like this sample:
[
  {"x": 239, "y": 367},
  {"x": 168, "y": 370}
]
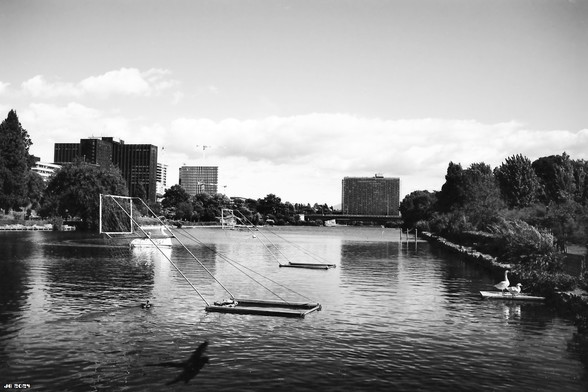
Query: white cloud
[
  {"x": 125, "y": 81},
  {"x": 38, "y": 87},
  {"x": 48, "y": 124},
  {"x": 301, "y": 155},
  {"x": 304, "y": 158},
  {"x": 3, "y": 87}
]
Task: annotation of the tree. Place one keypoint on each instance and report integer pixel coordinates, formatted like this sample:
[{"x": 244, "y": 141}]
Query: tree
[
  {"x": 75, "y": 188},
  {"x": 472, "y": 192},
  {"x": 35, "y": 188},
  {"x": 417, "y": 206},
  {"x": 15, "y": 163},
  {"x": 518, "y": 182},
  {"x": 556, "y": 176},
  {"x": 174, "y": 196},
  {"x": 452, "y": 193}
]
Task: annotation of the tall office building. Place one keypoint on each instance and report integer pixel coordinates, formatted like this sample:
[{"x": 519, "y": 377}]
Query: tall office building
[
  {"x": 161, "y": 178},
  {"x": 137, "y": 162},
  {"x": 376, "y": 195},
  {"x": 199, "y": 179}
]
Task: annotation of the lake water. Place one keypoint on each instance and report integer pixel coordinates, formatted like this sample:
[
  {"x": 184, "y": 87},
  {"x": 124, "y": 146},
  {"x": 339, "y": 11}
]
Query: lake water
[{"x": 396, "y": 316}]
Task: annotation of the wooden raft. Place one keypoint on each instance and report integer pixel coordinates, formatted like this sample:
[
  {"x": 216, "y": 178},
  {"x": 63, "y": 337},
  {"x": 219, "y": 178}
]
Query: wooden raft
[
  {"x": 308, "y": 265},
  {"x": 509, "y": 296},
  {"x": 267, "y": 308}
]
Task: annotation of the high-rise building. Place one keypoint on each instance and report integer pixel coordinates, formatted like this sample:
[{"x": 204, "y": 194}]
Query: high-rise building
[
  {"x": 137, "y": 162},
  {"x": 376, "y": 195},
  {"x": 161, "y": 179},
  {"x": 199, "y": 179}
]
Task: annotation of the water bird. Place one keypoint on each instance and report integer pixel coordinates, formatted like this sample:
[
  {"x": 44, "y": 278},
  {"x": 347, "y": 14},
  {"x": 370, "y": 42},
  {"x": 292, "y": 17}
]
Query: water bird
[
  {"x": 514, "y": 290},
  {"x": 146, "y": 305},
  {"x": 191, "y": 367},
  {"x": 504, "y": 284}
]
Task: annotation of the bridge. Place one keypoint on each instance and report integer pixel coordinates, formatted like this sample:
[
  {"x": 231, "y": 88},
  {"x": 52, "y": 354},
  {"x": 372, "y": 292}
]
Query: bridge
[{"x": 381, "y": 219}]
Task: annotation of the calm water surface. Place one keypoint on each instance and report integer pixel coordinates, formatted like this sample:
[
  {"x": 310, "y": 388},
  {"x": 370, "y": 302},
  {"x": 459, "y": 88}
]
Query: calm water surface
[{"x": 395, "y": 317}]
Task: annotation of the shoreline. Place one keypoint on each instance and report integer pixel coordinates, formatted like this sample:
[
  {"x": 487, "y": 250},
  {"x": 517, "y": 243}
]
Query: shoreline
[{"x": 570, "y": 304}]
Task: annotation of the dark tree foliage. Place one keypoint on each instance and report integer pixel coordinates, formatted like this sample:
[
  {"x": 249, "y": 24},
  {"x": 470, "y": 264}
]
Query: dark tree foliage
[
  {"x": 452, "y": 193},
  {"x": 73, "y": 191},
  {"x": 35, "y": 188},
  {"x": 417, "y": 206},
  {"x": 208, "y": 207},
  {"x": 519, "y": 185},
  {"x": 15, "y": 163},
  {"x": 174, "y": 196},
  {"x": 556, "y": 176}
]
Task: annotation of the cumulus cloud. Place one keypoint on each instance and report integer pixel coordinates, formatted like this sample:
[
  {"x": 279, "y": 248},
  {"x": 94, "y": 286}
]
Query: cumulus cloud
[
  {"x": 316, "y": 151},
  {"x": 125, "y": 81},
  {"x": 48, "y": 124},
  {"x": 304, "y": 158},
  {"x": 3, "y": 87}
]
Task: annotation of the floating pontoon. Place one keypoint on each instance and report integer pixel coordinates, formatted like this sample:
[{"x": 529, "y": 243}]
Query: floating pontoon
[
  {"x": 509, "y": 296},
  {"x": 266, "y": 308},
  {"x": 309, "y": 265}
]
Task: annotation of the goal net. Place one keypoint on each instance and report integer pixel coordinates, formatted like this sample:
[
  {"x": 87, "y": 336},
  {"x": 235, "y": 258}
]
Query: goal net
[{"x": 123, "y": 215}]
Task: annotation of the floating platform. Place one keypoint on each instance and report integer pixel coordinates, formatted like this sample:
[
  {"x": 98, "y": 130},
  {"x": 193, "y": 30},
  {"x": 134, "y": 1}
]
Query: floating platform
[
  {"x": 509, "y": 296},
  {"x": 267, "y": 308},
  {"x": 151, "y": 243},
  {"x": 309, "y": 265}
]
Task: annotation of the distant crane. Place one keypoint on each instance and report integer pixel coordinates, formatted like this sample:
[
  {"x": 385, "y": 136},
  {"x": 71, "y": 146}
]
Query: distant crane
[{"x": 203, "y": 150}]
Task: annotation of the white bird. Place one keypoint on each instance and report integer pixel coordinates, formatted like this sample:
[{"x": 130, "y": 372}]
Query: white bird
[
  {"x": 504, "y": 284},
  {"x": 514, "y": 290}
]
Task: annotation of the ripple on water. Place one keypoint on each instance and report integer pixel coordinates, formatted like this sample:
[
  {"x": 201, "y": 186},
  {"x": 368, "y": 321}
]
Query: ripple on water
[{"x": 393, "y": 318}]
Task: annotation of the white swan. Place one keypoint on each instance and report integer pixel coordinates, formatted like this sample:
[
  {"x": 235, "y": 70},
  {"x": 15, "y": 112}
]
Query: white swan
[
  {"x": 504, "y": 284},
  {"x": 514, "y": 290}
]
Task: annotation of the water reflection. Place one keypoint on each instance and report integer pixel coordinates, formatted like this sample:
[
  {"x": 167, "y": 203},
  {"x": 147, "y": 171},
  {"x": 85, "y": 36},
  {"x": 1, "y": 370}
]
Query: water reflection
[{"x": 394, "y": 317}]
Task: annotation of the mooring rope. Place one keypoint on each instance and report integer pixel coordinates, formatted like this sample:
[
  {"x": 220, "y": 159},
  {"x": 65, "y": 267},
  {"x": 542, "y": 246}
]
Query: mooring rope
[
  {"x": 163, "y": 253},
  {"x": 240, "y": 268},
  {"x": 270, "y": 241}
]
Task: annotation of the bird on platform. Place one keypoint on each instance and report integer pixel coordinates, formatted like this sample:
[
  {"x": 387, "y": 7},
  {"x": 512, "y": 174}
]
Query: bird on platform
[
  {"x": 146, "y": 305},
  {"x": 191, "y": 367},
  {"x": 514, "y": 290},
  {"x": 504, "y": 284}
]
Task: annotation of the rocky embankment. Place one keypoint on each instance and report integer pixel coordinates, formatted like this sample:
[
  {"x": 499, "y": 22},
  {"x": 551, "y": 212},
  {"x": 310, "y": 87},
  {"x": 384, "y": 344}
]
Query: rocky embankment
[
  {"x": 469, "y": 253},
  {"x": 572, "y": 304}
]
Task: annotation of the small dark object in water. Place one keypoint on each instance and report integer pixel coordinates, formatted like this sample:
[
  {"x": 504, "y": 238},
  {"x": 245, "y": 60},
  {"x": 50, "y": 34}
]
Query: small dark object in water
[
  {"x": 191, "y": 367},
  {"x": 146, "y": 305}
]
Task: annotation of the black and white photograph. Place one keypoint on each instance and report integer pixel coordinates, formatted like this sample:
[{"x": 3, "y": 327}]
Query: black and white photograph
[{"x": 295, "y": 195}]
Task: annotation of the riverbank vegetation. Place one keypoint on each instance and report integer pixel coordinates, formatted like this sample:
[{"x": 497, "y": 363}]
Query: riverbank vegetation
[{"x": 527, "y": 214}]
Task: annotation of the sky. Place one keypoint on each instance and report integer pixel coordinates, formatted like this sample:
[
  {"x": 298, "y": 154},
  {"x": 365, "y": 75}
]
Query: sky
[{"x": 289, "y": 97}]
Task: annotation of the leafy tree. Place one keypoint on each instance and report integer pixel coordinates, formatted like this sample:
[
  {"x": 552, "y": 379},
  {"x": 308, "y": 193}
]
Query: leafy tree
[
  {"x": 174, "y": 196},
  {"x": 518, "y": 182},
  {"x": 75, "y": 188},
  {"x": 270, "y": 204},
  {"x": 473, "y": 192},
  {"x": 556, "y": 176},
  {"x": 417, "y": 206},
  {"x": 208, "y": 207},
  {"x": 15, "y": 163},
  {"x": 184, "y": 210},
  {"x": 35, "y": 187},
  {"x": 452, "y": 193}
]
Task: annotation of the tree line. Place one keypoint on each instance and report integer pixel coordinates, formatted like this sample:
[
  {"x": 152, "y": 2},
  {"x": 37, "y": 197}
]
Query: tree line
[
  {"x": 72, "y": 191},
  {"x": 524, "y": 212},
  {"x": 550, "y": 193}
]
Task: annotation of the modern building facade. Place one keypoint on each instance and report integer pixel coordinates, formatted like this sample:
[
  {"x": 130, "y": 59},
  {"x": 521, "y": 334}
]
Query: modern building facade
[
  {"x": 137, "y": 162},
  {"x": 376, "y": 195},
  {"x": 45, "y": 169},
  {"x": 161, "y": 179},
  {"x": 199, "y": 179}
]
